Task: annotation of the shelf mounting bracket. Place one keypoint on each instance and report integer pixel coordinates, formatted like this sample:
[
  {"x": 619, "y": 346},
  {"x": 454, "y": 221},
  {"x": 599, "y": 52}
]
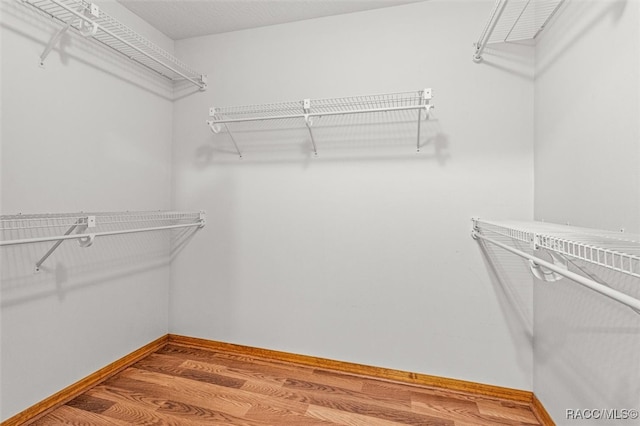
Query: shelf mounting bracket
[
  {"x": 426, "y": 97},
  {"x": 233, "y": 140},
  {"x": 306, "y": 106},
  {"x": 215, "y": 128},
  {"x": 81, "y": 225},
  {"x": 54, "y": 40},
  {"x": 90, "y": 31}
]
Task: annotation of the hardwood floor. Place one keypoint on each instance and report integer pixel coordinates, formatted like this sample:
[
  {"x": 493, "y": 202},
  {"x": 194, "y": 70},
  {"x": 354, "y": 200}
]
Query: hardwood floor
[{"x": 179, "y": 385}]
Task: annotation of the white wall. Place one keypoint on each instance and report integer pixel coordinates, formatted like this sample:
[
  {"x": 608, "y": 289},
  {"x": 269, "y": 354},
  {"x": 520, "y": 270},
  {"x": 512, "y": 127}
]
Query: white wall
[
  {"x": 89, "y": 132},
  {"x": 587, "y": 173},
  {"x": 364, "y": 253},
  {"x": 587, "y": 108}
]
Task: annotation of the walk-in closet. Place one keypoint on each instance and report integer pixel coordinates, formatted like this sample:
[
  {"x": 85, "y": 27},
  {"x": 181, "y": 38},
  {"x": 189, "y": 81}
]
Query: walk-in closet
[{"x": 320, "y": 212}]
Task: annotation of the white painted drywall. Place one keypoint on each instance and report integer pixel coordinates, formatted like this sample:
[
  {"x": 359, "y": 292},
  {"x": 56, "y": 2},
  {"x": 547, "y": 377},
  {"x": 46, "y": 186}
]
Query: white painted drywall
[
  {"x": 88, "y": 132},
  {"x": 587, "y": 172},
  {"x": 364, "y": 253},
  {"x": 587, "y": 109}
]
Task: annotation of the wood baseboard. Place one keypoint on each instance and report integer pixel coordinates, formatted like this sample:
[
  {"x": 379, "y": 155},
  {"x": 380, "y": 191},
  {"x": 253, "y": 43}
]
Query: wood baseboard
[
  {"x": 62, "y": 397},
  {"x": 359, "y": 369},
  {"x": 67, "y": 394},
  {"x": 541, "y": 412}
]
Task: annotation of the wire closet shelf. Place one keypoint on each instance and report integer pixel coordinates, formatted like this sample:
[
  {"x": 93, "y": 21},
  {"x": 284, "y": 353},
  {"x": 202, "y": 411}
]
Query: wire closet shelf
[
  {"x": 515, "y": 20},
  {"x": 85, "y": 227},
  {"x": 308, "y": 109},
  {"x": 615, "y": 251},
  {"x": 90, "y": 21}
]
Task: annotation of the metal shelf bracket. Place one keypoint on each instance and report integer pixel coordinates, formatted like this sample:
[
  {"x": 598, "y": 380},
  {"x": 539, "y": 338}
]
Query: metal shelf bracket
[
  {"x": 204, "y": 81},
  {"x": 216, "y": 128},
  {"x": 54, "y": 40},
  {"x": 308, "y": 120},
  {"x": 425, "y": 98},
  {"x": 80, "y": 226}
]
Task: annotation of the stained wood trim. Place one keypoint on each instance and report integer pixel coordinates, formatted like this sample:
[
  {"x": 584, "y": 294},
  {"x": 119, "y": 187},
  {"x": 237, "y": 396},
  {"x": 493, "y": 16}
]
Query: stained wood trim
[
  {"x": 62, "y": 397},
  {"x": 365, "y": 370},
  {"x": 541, "y": 412},
  {"x": 67, "y": 394}
]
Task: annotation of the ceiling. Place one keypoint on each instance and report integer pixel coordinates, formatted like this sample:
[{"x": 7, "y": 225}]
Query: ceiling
[{"x": 180, "y": 19}]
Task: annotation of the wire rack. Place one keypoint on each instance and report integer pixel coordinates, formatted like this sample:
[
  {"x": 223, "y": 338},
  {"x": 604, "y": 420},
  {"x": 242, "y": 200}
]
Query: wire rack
[
  {"x": 515, "y": 20},
  {"x": 65, "y": 220},
  {"x": 308, "y": 109},
  {"x": 257, "y": 112},
  {"x": 85, "y": 227},
  {"x": 386, "y": 102},
  {"x": 90, "y": 21},
  {"x": 320, "y": 107},
  {"x": 613, "y": 250}
]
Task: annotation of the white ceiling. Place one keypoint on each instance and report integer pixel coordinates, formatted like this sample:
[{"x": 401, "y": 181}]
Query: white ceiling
[{"x": 180, "y": 19}]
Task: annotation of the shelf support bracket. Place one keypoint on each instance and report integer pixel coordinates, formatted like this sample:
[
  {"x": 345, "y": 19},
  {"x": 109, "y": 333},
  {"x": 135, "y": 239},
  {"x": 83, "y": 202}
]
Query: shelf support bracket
[
  {"x": 426, "y": 97},
  {"x": 204, "y": 80},
  {"x": 54, "y": 40},
  {"x": 215, "y": 128},
  {"x": 85, "y": 222},
  {"x": 419, "y": 126},
  {"x": 306, "y": 105},
  {"x": 233, "y": 140},
  {"x": 89, "y": 32}
]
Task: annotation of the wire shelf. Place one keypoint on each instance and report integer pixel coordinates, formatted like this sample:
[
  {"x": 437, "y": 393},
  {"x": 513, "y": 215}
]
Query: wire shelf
[
  {"x": 613, "y": 250},
  {"x": 516, "y": 20},
  {"x": 85, "y": 227},
  {"x": 90, "y": 21},
  {"x": 319, "y": 107},
  {"x": 47, "y": 221},
  {"x": 307, "y": 109}
]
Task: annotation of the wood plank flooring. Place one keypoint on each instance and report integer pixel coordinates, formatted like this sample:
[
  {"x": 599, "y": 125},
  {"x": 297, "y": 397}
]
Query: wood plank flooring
[{"x": 179, "y": 385}]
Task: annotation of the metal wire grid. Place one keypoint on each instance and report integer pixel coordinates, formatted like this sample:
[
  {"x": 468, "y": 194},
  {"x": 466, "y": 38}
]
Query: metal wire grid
[
  {"x": 513, "y": 20},
  {"x": 260, "y": 111},
  {"x": 612, "y": 250},
  {"x": 369, "y": 102},
  {"x": 107, "y": 28},
  {"x": 522, "y": 19},
  {"x": 49, "y": 221},
  {"x": 321, "y": 106}
]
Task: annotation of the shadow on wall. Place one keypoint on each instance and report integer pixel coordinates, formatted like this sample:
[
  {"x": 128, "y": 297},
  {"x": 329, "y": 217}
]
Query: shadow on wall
[
  {"x": 510, "y": 58},
  {"x": 373, "y": 136},
  {"x": 72, "y": 267},
  {"x": 584, "y": 16},
  {"x": 513, "y": 284},
  {"x": 587, "y": 345}
]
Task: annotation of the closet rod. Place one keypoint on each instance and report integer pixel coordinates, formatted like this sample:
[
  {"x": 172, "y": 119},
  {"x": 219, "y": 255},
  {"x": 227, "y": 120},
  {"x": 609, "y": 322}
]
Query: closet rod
[
  {"x": 616, "y": 295},
  {"x": 121, "y": 40},
  {"x": 97, "y": 234},
  {"x": 322, "y": 114}
]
